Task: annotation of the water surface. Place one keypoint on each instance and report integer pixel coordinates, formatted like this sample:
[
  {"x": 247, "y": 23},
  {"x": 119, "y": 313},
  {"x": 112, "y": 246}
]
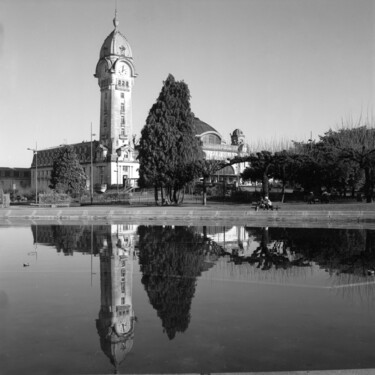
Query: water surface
[{"x": 163, "y": 299}]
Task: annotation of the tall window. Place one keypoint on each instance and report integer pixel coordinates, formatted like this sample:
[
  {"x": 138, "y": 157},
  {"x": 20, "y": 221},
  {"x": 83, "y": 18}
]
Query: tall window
[
  {"x": 211, "y": 139},
  {"x": 122, "y": 107},
  {"x": 101, "y": 174}
]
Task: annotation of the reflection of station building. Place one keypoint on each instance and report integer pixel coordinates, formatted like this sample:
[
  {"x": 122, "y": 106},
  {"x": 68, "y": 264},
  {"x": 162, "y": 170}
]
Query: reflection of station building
[
  {"x": 115, "y": 324},
  {"x": 233, "y": 238}
]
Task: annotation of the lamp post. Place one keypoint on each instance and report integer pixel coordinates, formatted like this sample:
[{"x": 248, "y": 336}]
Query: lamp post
[
  {"x": 118, "y": 151},
  {"x": 35, "y": 152},
  {"x": 117, "y": 177},
  {"x": 91, "y": 171}
]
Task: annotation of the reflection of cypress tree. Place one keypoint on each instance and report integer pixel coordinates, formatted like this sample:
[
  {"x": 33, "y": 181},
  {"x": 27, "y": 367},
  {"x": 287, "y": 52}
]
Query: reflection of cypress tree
[{"x": 171, "y": 259}]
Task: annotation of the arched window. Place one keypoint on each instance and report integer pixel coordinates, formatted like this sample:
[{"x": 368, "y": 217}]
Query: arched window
[
  {"x": 228, "y": 170},
  {"x": 211, "y": 139}
]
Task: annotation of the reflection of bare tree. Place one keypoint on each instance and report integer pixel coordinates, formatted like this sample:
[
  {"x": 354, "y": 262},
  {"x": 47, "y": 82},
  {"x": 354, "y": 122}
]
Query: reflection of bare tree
[
  {"x": 355, "y": 288},
  {"x": 339, "y": 251},
  {"x": 271, "y": 254}
]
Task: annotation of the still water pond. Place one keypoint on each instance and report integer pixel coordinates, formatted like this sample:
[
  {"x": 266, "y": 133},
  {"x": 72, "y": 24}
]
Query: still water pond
[{"x": 164, "y": 299}]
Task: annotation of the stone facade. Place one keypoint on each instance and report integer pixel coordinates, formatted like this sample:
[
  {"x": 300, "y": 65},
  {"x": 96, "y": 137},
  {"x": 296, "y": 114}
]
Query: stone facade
[
  {"x": 114, "y": 157},
  {"x": 215, "y": 148},
  {"x": 15, "y": 179},
  {"x": 115, "y": 72}
]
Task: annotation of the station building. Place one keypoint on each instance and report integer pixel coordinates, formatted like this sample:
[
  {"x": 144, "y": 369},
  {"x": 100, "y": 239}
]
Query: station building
[
  {"x": 114, "y": 157},
  {"x": 15, "y": 179},
  {"x": 215, "y": 148}
]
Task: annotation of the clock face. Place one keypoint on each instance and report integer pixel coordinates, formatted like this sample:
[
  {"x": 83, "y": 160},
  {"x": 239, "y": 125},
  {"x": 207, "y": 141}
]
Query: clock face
[
  {"x": 123, "y": 326},
  {"x": 123, "y": 69}
]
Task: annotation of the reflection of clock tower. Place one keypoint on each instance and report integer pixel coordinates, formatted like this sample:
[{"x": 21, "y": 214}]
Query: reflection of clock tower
[
  {"x": 115, "y": 72},
  {"x": 116, "y": 317}
]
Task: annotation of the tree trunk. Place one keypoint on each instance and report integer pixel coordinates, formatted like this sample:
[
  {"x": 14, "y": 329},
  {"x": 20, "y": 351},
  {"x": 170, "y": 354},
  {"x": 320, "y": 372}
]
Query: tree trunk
[
  {"x": 204, "y": 192},
  {"x": 156, "y": 193},
  {"x": 167, "y": 193},
  {"x": 265, "y": 185},
  {"x": 283, "y": 186},
  {"x": 368, "y": 185},
  {"x": 181, "y": 195},
  {"x": 162, "y": 195}
]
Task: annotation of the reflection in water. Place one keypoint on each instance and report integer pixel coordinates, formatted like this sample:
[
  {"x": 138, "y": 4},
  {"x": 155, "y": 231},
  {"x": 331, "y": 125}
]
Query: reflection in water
[
  {"x": 338, "y": 251},
  {"x": 172, "y": 258},
  {"x": 116, "y": 317},
  {"x": 115, "y": 246}
]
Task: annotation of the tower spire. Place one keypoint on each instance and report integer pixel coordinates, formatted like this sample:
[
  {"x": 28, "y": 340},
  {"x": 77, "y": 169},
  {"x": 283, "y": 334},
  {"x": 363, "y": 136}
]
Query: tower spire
[{"x": 115, "y": 20}]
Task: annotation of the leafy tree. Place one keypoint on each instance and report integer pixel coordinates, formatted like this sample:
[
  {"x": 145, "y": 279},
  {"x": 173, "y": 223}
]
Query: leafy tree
[
  {"x": 67, "y": 173},
  {"x": 355, "y": 145},
  {"x": 168, "y": 147},
  {"x": 260, "y": 169}
]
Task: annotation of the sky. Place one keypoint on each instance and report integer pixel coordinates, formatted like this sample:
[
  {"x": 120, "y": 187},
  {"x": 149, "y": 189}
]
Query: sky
[{"x": 276, "y": 69}]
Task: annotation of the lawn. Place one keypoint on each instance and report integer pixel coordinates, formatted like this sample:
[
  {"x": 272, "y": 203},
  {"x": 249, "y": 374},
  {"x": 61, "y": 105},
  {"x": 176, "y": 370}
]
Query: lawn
[{"x": 346, "y": 205}]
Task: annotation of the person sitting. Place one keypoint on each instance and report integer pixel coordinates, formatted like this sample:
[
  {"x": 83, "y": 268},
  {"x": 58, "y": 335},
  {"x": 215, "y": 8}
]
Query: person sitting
[
  {"x": 325, "y": 197},
  {"x": 311, "y": 198},
  {"x": 267, "y": 203}
]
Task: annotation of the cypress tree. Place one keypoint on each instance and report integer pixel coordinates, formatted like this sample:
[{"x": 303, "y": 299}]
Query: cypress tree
[
  {"x": 168, "y": 147},
  {"x": 67, "y": 173}
]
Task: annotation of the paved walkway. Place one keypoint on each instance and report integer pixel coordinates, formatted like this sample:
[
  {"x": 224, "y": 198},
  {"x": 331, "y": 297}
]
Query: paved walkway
[
  {"x": 212, "y": 214},
  {"x": 318, "y": 372}
]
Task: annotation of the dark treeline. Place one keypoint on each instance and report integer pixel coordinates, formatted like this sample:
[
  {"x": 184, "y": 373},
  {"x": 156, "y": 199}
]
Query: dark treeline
[
  {"x": 335, "y": 250},
  {"x": 68, "y": 239},
  {"x": 342, "y": 161}
]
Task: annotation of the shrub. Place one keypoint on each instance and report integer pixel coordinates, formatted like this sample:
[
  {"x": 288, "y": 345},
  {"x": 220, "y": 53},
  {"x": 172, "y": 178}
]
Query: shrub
[{"x": 54, "y": 197}]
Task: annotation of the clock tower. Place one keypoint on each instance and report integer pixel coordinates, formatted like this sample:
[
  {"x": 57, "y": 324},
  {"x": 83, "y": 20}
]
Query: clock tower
[{"x": 115, "y": 72}]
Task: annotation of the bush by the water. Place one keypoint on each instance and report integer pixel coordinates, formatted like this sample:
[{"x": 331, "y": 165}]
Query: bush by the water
[{"x": 54, "y": 198}]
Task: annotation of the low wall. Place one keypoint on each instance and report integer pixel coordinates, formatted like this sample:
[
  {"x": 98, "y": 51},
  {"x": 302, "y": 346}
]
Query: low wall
[{"x": 182, "y": 216}]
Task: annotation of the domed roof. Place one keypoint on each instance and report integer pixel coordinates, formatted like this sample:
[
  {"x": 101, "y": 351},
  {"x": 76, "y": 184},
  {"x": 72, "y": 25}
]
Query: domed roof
[
  {"x": 202, "y": 127},
  {"x": 116, "y": 44},
  {"x": 238, "y": 132}
]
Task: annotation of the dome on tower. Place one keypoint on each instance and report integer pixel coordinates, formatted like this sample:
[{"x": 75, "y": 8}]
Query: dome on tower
[
  {"x": 116, "y": 44},
  {"x": 238, "y": 137},
  {"x": 238, "y": 133}
]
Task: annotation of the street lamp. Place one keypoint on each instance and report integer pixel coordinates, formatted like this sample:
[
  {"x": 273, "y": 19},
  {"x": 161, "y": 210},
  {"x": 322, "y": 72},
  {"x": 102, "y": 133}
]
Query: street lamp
[
  {"x": 35, "y": 152},
  {"x": 91, "y": 172},
  {"x": 118, "y": 151}
]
